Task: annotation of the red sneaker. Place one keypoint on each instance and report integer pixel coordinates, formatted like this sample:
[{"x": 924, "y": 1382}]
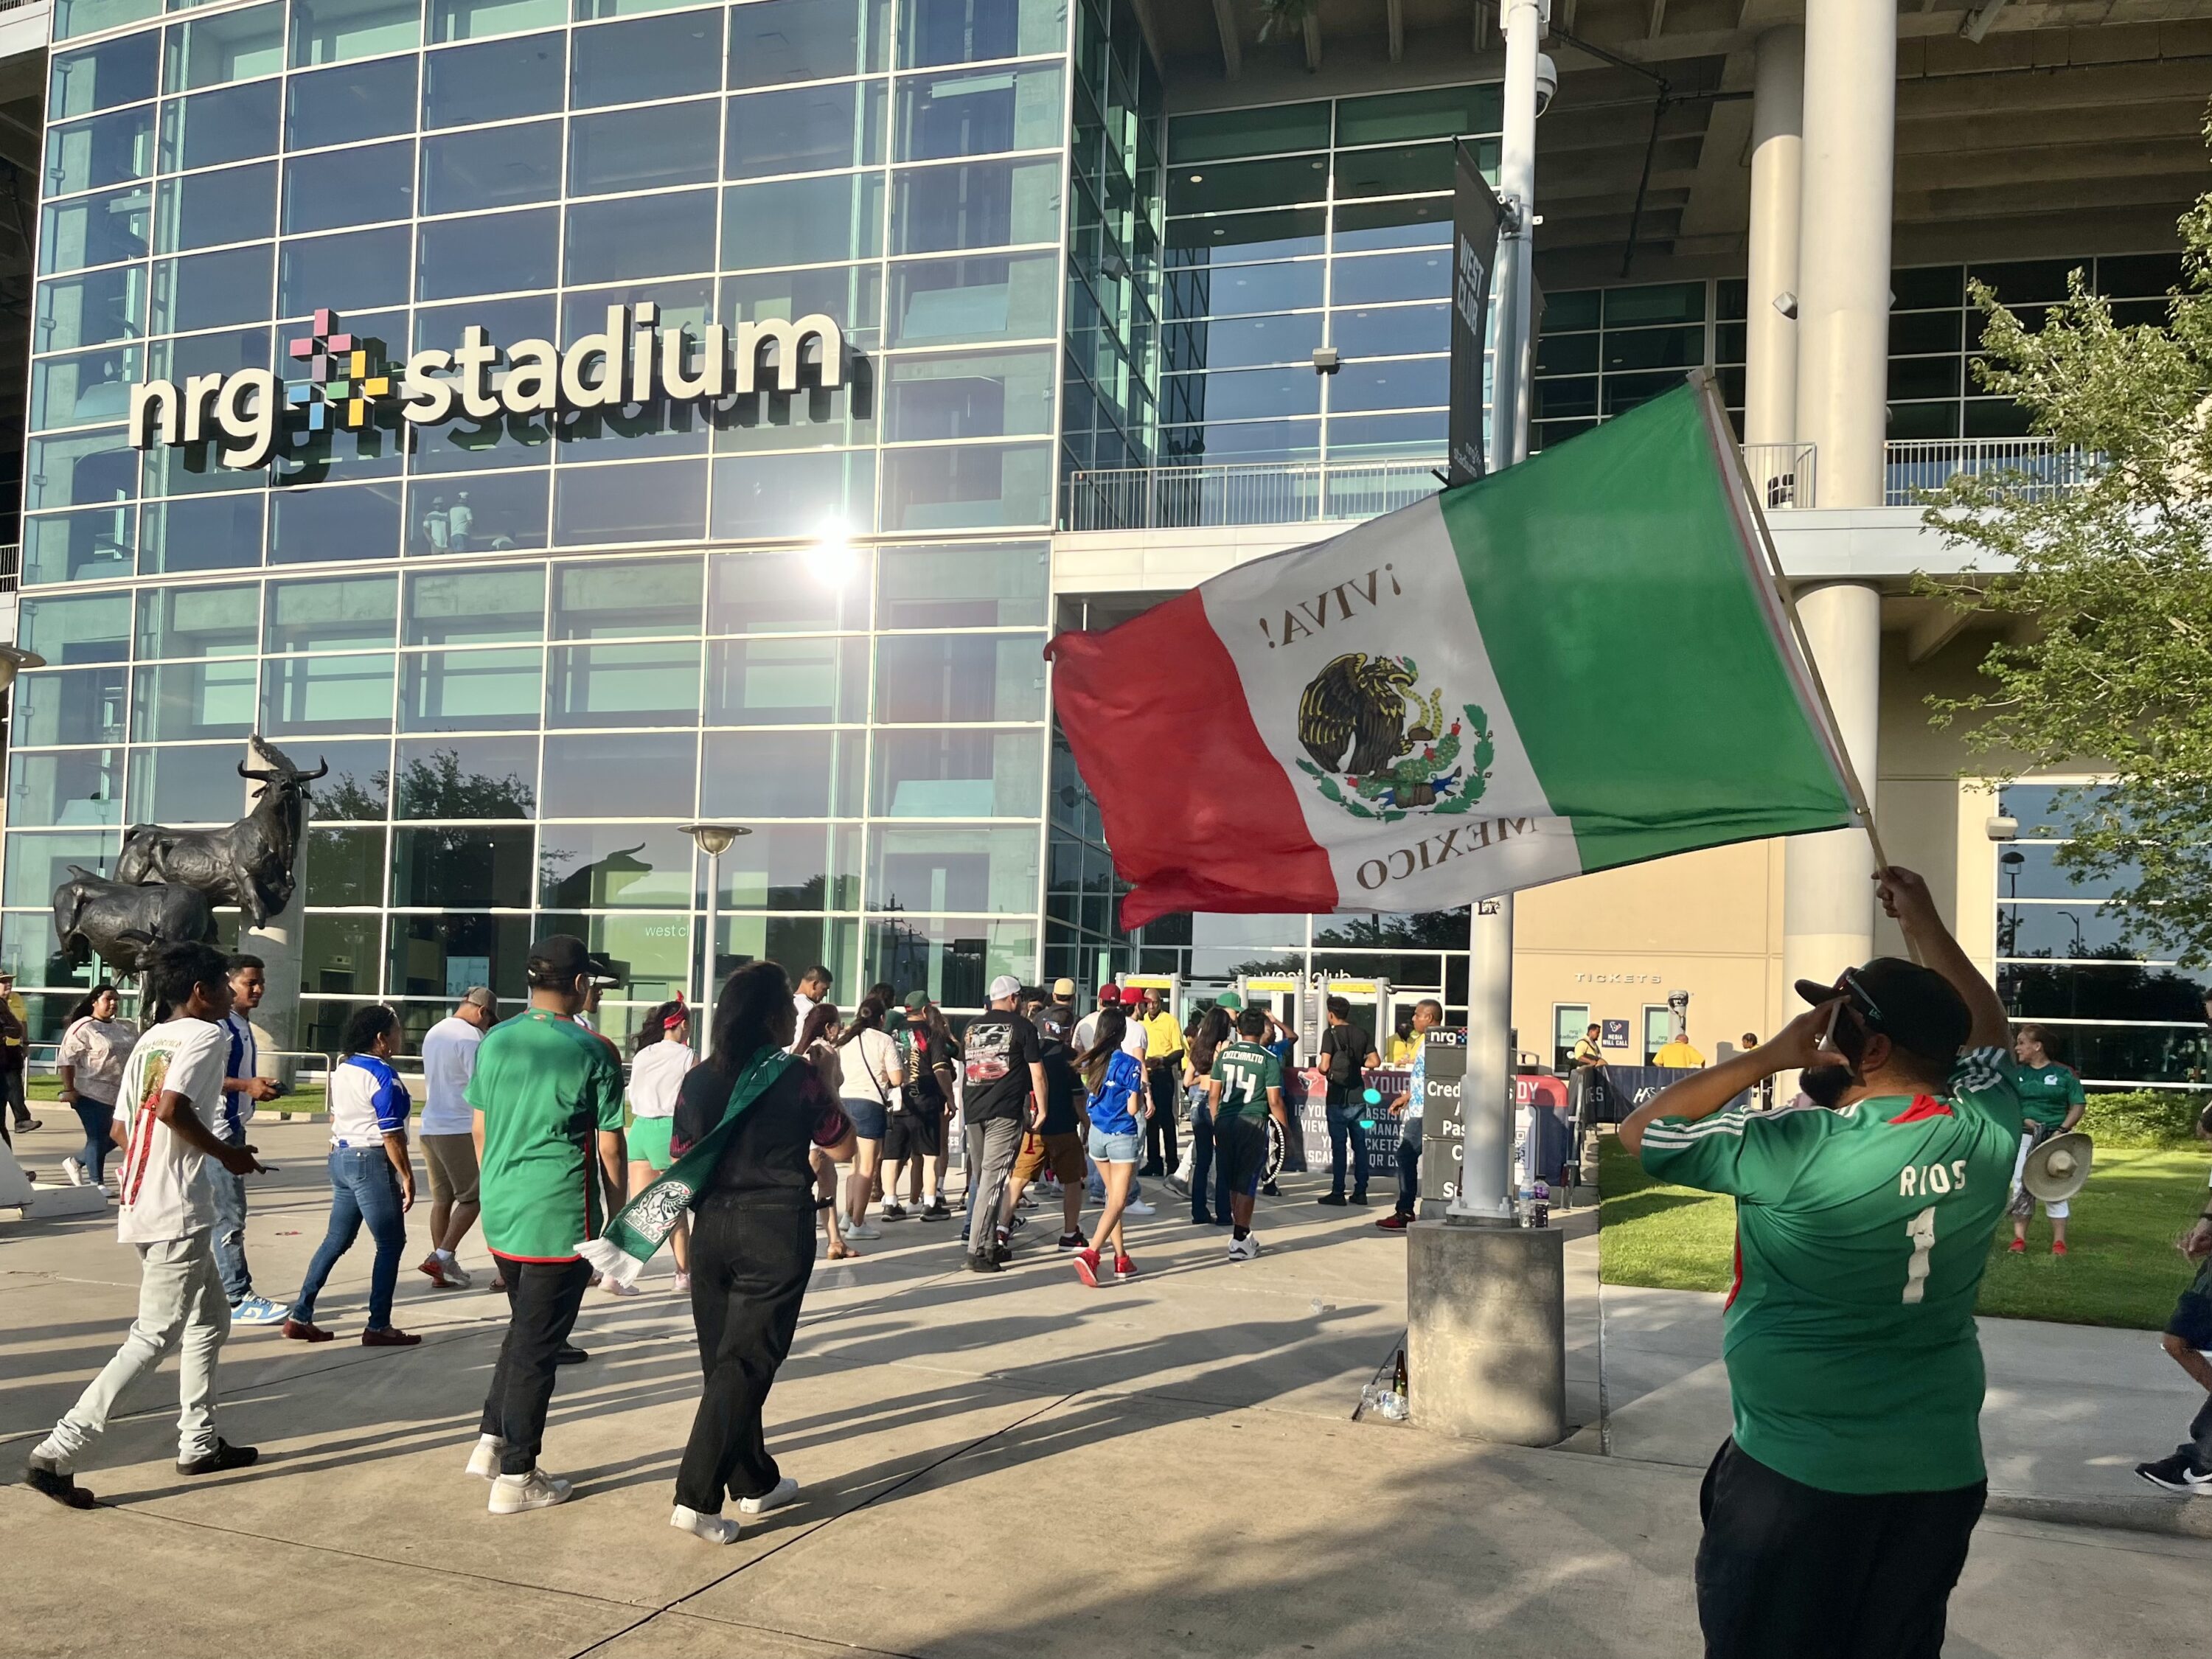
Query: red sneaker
[
  {"x": 2058, "y": 1247},
  {"x": 1394, "y": 1222},
  {"x": 1086, "y": 1265},
  {"x": 1124, "y": 1268},
  {"x": 2018, "y": 1247}
]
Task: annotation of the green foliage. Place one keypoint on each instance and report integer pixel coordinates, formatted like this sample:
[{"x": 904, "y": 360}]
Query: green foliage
[
  {"x": 2144, "y": 1117},
  {"x": 2106, "y": 588}
]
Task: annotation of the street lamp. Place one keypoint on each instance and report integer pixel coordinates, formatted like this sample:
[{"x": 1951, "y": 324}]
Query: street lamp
[
  {"x": 13, "y": 658},
  {"x": 713, "y": 839}
]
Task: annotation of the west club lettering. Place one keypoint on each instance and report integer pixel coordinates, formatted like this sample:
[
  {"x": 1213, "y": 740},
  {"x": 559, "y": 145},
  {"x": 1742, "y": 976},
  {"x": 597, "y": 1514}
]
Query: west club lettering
[
  {"x": 1461, "y": 840},
  {"x": 632, "y": 360}
]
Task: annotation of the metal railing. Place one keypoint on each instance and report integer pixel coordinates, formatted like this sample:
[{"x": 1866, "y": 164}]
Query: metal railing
[
  {"x": 2044, "y": 468},
  {"x": 1278, "y": 492},
  {"x": 1783, "y": 475},
  {"x": 11, "y": 556}
]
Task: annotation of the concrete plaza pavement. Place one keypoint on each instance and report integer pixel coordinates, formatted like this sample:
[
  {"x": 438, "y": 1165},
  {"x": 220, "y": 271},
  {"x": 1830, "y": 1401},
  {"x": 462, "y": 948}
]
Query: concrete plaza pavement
[{"x": 1012, "y": 1464}]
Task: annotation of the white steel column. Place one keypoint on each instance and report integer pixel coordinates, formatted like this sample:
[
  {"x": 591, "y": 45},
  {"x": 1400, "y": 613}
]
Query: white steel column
[
  {"x": 1777, "y": 121},
  {"x": 1827, "y": 893}
]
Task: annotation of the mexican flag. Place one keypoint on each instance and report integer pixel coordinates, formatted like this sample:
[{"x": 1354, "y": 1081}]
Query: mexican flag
[{"x": 1577, "y": 663}]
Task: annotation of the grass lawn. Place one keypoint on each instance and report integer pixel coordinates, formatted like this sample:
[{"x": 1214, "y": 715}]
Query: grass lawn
[
  {"x": 2122, "y": 1269},
  {"x": 306, "y": 1098}
]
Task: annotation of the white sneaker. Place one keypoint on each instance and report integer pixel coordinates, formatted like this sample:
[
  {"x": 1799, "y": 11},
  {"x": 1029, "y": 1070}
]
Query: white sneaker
[
  {"x": 1244, "y": 1249},
  {"x": 485, "y": 1460},
  {"x": 511, "y": 1494},
  {"x": 76, "y": 1173},
  {"x": 786, "y": 1491},
  {"x": 455, "y": 1272},
  {"x": 861, "y": 1230},
  {"x": 1137, "y": 1206},
  {"x": 616, "y": 1287},
  {"x": 713, "y": 1528},
  {"x": 684, "y": 1283}
]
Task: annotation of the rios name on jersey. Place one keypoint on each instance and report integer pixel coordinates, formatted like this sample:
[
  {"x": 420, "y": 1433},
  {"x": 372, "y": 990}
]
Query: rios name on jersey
[{"x": 1861, "y": 1236}]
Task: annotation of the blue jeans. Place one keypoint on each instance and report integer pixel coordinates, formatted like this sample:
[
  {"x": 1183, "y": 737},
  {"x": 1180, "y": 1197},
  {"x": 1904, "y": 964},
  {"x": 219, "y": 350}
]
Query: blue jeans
[
  {"x": 230, "y": 1223},
  {"x": 1344, "y": 1126},
  {"x": 363, "y": 1188},
  {"x": 1202, "y": 1161},
  {"x": 1409, "y": 1169},
  {"x": 98, "y": 1117}
]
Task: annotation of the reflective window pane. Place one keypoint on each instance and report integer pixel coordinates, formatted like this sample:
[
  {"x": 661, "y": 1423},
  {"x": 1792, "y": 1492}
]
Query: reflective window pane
[
  {"x": 654, "y": 501},
  {"x": 958, "y": 775},
  {"x": 645, "y": 774},
  {"x": 645, "y": 236},
  {"x": 954, "y": 959},
  {"x": 84, "y": 390},
  {"x": 497, "y": 252},
  {"x": 622, "y": 684},
  {"x": 960, "y": 31},
  {"x": 793, "y": 867},
  {"x": 96, "y": 230},
  {"x": 223, "y": 620},
  {"x": 37, "y": 863},
  {"x": 805, "y": 129},
  {"x": 117, "y": 71},
  {"x": 1403, "y": 383},
  {"x": 75, "y": 17},
  {"x": 356, "y": 790},
  {"x": 1395, "y": 331},
  {"x": 923, "y": 679},
  {"x": 495, "y": 81},
  {"x": 215, "y": 532},
  {"x": 359, "y": 187},
  {"x": 994, "y": 297},
  {"x": 974, "y": 486},
  {"x": 780, "y": 593},
  {"x": 346, "y": 105},
  {"x": 980, "y": 204},
  {"x": 108, "y": 149},
  {"x": 235, "y": 45},
  {"x": 475, "y": 607},
  {"x": 503, "y": 513},
  {"x": 207, "y": 290},
  {"x": 614, "y": 867},
  {"x": 926, "y": 870},
  {"x": 88, "y": 310},
  {"x": 633, "y": 598},
  {"x": 644, "y": 149},
  {"x": 344, "y": 866},
  {"x": 65, "y": 791},
  {"x": 206, "y": 210},
  {"x": 178, "y": 702},
  {"x": 331, "y": 613},
  {"x": 1421, "y": 276},
  {"x": 652, "y": 953},
  {"x": 361, "y": 271},
  {"x": 1418, "y": 221},
  {"x": 362, "y": 522},
  {"x": 763, "y": 496},
  {"x": 305, "y": 695},
  {"x": 781, "y": 775},
  {"x": 331, "y": 31},
  {"x": 778, "y": 681},
  {"x": 88, "y": 545},
  {"x": 459, "y": 778},
  {"x": 464, "y": 868},
  {"x": 197, "y": 784},
  {"x": 442, "y": 955},
  {"x": 963, "y": 586},
  {"x": 973, "y": 395},
  {"x": 470, "y": 690},
  {"x": 491, "y": 166},
  {"x": 778, "y": 42},
  {"x": 80, "y": 471},
  {"x": 802, "y": 221},
  {"x": 648, "y": 58},
  {"x": 975, "y": 113}
]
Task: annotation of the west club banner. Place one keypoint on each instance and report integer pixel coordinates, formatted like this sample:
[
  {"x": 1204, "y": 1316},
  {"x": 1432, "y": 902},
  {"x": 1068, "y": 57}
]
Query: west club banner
[{"x": 1580, "y": 662}]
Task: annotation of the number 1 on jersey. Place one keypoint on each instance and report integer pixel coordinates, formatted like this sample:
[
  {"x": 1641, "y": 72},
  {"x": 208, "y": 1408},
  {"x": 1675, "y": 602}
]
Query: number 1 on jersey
[{"x": 1921, "y": 1230}]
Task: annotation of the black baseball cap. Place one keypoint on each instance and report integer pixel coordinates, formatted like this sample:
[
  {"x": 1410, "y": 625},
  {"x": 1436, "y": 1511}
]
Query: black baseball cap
[
  {"x": 563, "y": 957},
  {"x": 1915, "y": 1007}
]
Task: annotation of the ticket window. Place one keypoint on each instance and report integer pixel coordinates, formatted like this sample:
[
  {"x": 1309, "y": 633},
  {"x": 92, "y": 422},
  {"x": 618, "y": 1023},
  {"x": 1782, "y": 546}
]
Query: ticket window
[
  {"x": 1569, "y": 1021},
  {"x": 1658, "y": 1030}
]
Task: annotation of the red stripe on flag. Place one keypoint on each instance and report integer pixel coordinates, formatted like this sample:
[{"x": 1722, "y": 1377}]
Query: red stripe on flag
[{"x": 1199, "y": 815}]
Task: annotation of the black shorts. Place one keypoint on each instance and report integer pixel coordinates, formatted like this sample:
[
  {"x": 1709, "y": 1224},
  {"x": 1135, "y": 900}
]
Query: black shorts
[
  {"x": 909, "y": 1134},
  {"x": 1240, "y": 1149},
  {"x": 2192, "y": 1314}
]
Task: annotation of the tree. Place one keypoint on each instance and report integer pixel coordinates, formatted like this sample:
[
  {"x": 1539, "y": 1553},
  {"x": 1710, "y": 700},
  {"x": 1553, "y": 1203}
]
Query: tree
[{"x": 2106, "y": 585}]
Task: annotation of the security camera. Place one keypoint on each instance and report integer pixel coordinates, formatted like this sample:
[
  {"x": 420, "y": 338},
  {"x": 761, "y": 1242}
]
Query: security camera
[
  {"x": 1548, "y": 81},
  {"x": 2001, "y": 829}
]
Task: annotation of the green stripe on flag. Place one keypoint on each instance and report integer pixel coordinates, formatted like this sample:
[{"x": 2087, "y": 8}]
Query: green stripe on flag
[{"x": 1620, "y": 604}]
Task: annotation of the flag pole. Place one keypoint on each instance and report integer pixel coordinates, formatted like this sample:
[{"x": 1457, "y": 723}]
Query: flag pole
[{"x": 1716, "y": 422}]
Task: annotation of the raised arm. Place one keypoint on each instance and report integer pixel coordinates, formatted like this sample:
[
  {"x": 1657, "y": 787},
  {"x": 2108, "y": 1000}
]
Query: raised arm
[
  {"x": 1906, "y": 898},
  {"x": 1703, "y": 1093}
]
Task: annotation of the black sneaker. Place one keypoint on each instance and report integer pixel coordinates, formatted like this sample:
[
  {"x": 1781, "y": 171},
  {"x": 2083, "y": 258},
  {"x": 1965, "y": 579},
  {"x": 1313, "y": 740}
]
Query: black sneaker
[
  {"x": 936, "y": 1210},
  {"x": 983, "y": 1264},
  {"x": 224, "y": 1456},
  {"x": 569, "y": 1354},
  {"x": 62, "y": 1488},
  {"x": 1002, "y": 1253},
  {"x": 1071, "y": 1241},
  {"x": 1337, "y": 1199},
  {"x": 1150, "y": 1172},
  {"x": 892, "y": 1212},
  {"x": 1359, "y": 1198},
  {"x": 1270, "y": 1190},
  {"x": 2177, "y": 1473}
]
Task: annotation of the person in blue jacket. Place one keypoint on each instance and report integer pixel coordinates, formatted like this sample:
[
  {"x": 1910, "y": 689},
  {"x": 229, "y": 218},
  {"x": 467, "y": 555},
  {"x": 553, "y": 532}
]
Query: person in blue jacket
[{"x": 1117, "y": 1107}]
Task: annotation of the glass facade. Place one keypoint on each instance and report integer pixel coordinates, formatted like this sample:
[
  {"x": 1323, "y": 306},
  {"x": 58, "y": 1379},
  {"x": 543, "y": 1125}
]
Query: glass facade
[
  {"x": 2065, "y": 962},
  {"x": 530, "y": 646}
]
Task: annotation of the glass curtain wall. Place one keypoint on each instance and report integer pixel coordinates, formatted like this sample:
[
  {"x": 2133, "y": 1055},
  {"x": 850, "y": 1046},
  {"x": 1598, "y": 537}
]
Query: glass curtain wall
[{"x": 2117, "y": 1017}]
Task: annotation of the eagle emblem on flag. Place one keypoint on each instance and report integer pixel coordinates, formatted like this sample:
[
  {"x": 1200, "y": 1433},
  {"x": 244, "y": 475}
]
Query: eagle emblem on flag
[{"x": 1380, "y": 749}]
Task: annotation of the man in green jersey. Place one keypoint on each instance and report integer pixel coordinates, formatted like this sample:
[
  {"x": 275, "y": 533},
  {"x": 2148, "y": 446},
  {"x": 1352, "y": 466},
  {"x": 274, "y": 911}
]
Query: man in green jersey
[
  {"x": 1837, "y": 1516},
  {"x": 2051, "y": 1103},
  {"x": 1244, "y": 1089},
  {"x": 547, "y": 1096}
]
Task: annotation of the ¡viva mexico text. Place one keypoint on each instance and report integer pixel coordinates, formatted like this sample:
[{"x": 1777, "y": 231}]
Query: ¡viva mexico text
[
  {"x": 1461, "y": 840},
  {"x": 1359, "y": 593}
]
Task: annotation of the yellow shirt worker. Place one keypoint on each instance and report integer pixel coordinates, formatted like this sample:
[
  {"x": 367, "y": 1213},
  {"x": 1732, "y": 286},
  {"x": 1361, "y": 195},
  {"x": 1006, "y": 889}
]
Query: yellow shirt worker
[{"x": 1678, "y": 1055}]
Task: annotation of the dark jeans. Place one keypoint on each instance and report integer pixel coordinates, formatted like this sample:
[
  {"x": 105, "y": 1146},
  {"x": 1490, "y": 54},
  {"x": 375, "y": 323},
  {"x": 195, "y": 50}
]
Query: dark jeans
[
  {"x": 11, "y": 1084},
  {"x": 1409, "y": 1169},
  {"x": 749, "y": 1264},
  {"x": 230, "y": 1240},
  {"x": 364, "y": 1186},
  {"x": 541, "y": 1299},
  {"x": 98, "y": 1117},
  {"x": 1343, "y": 1127},
  {"x": 1202, "y": 1163},
  {"x": 1160, "y": 1131},
  {"x": 2199, "y": 1446},
  {"x": 1785, "y": 1568}
]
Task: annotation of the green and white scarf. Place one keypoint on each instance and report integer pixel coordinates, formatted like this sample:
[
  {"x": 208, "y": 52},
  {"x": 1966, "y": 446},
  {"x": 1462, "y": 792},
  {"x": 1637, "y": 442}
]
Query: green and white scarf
[{"x": 641, "y": 1226}]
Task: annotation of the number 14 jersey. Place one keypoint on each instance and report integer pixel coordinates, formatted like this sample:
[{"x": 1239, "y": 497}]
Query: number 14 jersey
[{"x": 1861, "y": 1235}]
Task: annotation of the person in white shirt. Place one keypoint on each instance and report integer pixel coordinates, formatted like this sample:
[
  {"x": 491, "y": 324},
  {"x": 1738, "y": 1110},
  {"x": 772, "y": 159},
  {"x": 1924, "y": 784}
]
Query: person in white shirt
[
  {"x": 170, "y": 1088},
  {"x": 243, "y": 1086},
  {"x": 449, "y": 1132},
  {"x": 813, "y": 985},
  {"x": 1133, "y": 1041},
  {"x": 95, "y": 1047},
  {"x": 870, "y": 1074},
  {"x": 659, "y": 1058}
]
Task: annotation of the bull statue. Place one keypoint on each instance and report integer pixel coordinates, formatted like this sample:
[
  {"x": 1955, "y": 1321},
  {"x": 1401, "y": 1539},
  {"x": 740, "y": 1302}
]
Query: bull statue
[
  {"x": 250, "y": 863},
  {"x": 120, "y": 922}
]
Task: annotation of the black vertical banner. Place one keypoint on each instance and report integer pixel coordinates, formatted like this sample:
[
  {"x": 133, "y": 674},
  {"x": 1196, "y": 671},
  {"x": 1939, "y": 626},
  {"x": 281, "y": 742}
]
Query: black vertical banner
[{"x": 1474, "y": 256}]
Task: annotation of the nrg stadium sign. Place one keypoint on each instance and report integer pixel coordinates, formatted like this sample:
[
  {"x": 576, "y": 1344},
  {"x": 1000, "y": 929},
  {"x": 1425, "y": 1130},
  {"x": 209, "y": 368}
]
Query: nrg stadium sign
[{"x": 339, "y": 379}]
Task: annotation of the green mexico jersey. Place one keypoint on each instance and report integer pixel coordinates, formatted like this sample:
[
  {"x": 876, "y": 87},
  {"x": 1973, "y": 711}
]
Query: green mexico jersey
[
  {"x": 1861, "y": 1235},
  {"x": 546, "y": 1087},
  {"x": 1246, "y": 1071},
  {"x": 2047, "y": 1092}
]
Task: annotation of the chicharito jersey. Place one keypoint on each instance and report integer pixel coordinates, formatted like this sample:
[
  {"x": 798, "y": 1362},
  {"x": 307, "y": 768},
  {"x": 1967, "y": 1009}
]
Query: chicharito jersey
[{"x": 1861, "y": 1235}]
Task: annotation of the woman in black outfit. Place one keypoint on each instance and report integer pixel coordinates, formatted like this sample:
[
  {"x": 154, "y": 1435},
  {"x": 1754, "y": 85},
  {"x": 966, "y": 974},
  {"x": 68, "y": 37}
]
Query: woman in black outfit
[{"x": 752, "y": 1249}]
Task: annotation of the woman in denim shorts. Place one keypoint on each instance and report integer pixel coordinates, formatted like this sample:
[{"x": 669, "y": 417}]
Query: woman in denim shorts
[{"x": 1118, "y": 1105}]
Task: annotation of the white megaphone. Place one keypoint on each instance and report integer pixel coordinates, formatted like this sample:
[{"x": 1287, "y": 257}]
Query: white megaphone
[{"x": 2058, "y": 1167}]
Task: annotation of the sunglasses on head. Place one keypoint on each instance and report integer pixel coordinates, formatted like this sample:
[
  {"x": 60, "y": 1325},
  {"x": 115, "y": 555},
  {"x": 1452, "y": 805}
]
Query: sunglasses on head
[{"x": 1861, "y": 1001}]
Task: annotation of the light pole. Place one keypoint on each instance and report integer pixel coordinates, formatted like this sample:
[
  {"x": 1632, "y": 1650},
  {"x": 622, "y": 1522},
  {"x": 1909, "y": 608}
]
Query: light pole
[
  {"x": 713, "y": 839},
  {"x": 14, "y": 658},
  {"x": 1485, "y": 1171}
]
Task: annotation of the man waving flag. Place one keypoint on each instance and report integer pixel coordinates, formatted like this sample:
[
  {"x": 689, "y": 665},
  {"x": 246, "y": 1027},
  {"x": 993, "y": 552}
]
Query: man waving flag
[{"x": 1580, "y": 662}]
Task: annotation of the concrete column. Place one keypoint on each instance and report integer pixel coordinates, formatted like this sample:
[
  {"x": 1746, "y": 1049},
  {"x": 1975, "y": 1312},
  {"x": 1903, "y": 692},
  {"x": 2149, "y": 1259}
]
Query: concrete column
[
  {"x": 1777, "y": 121},
  {"x": 1843, "y": 299},
  {"x": 1828, "y": 895}
]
